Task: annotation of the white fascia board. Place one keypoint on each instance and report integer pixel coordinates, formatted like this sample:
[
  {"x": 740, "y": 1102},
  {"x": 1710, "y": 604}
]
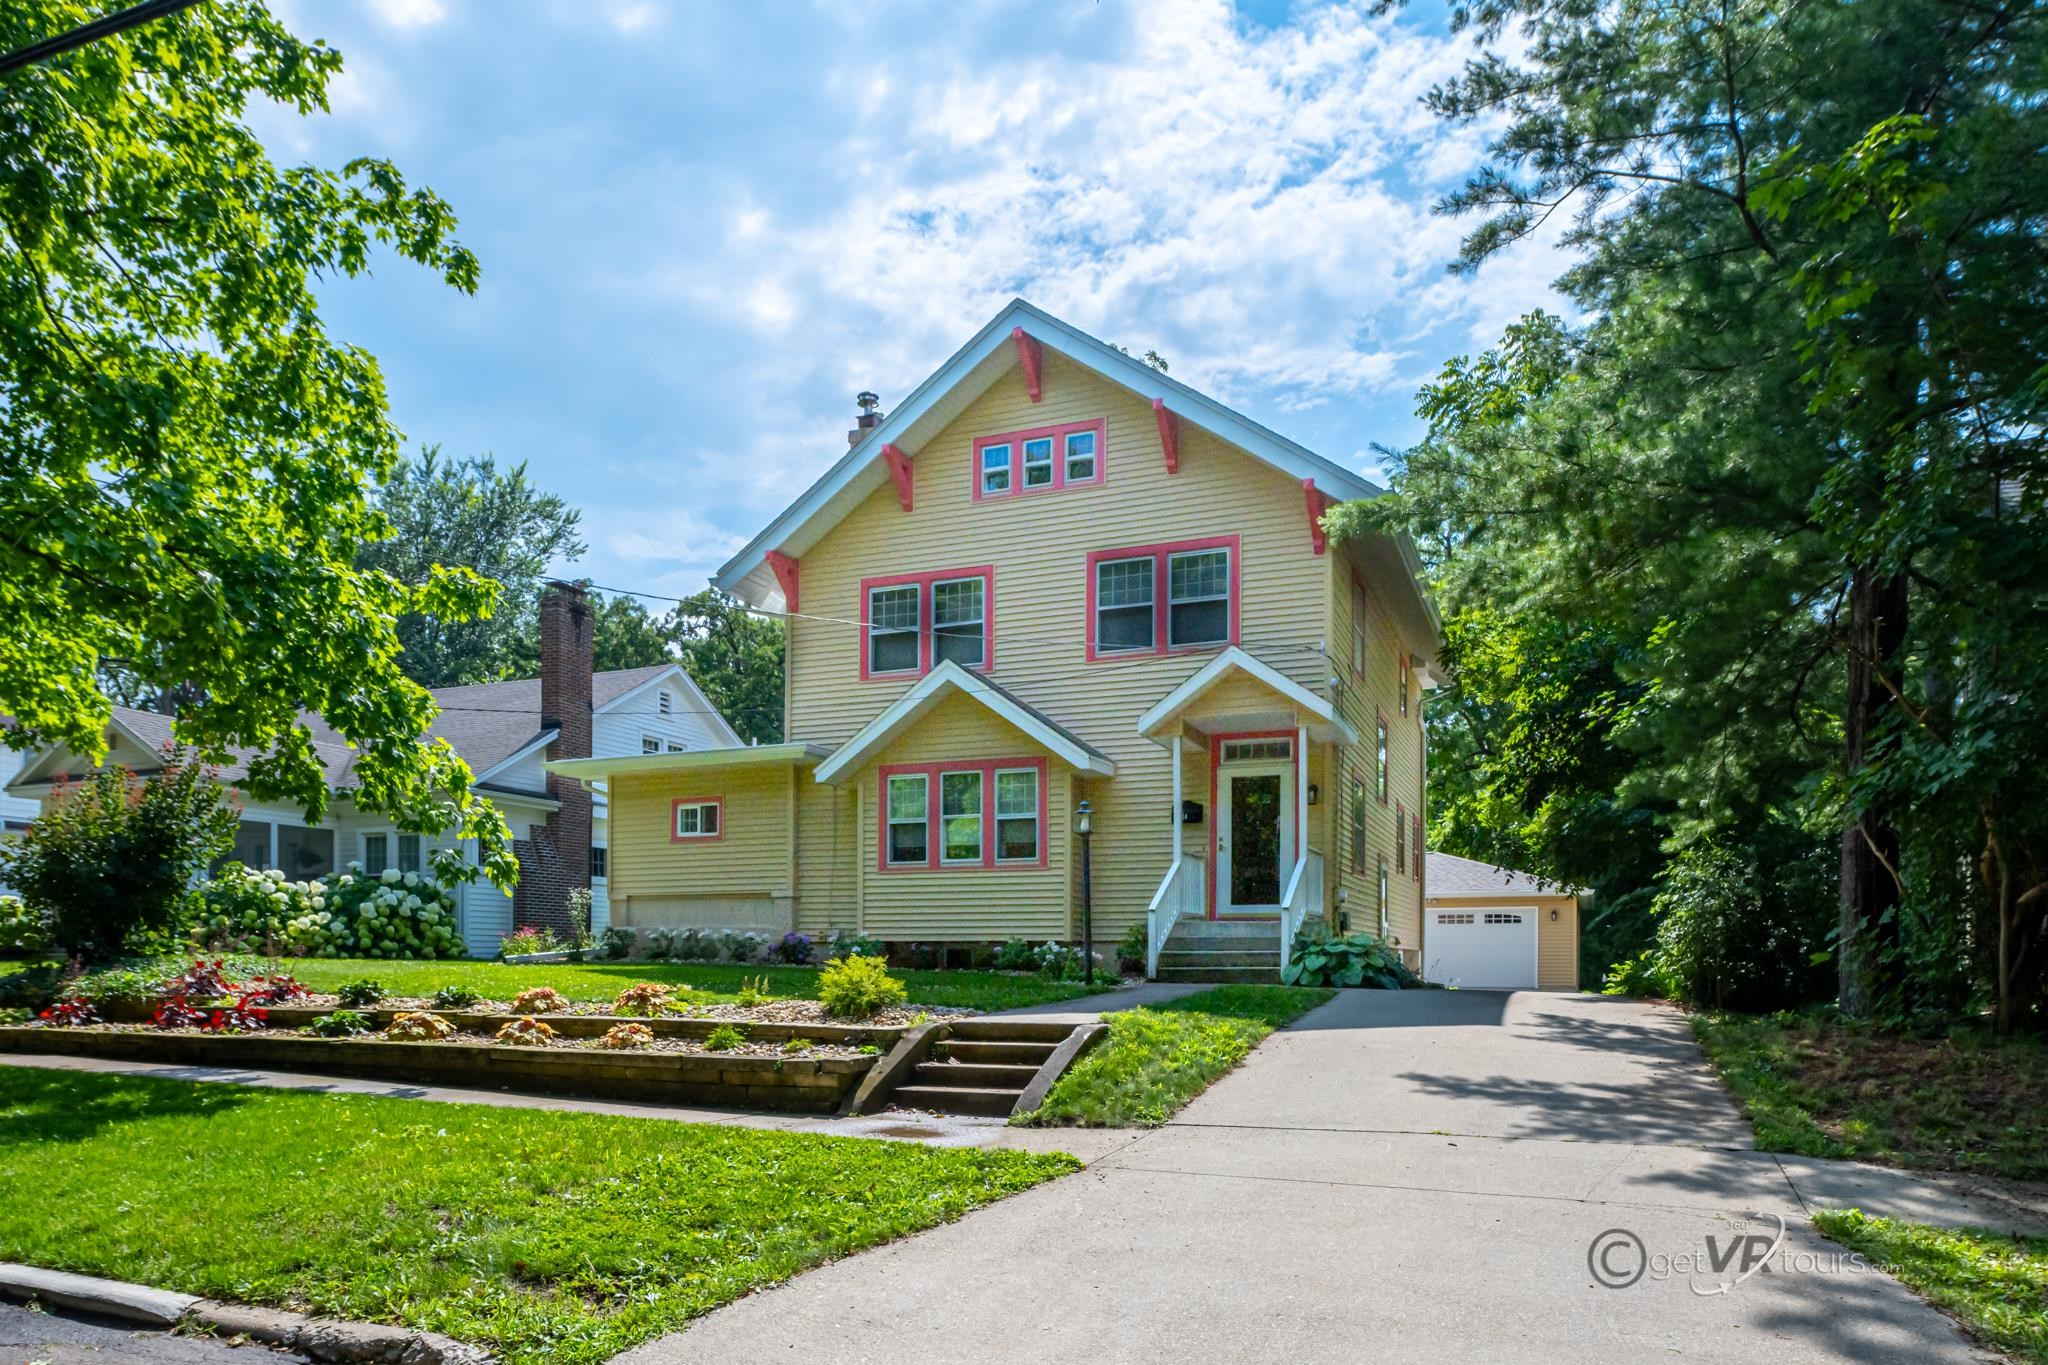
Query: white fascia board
[
  {"x": 949, "y": 676},
  {"x": 540, "y": 741},
  {"x": 1235, "y": 660}
]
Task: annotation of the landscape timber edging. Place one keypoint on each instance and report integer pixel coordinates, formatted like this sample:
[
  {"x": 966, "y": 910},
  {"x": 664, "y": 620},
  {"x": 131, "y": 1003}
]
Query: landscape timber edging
[
  {"x": 816, "y": 1085},
  {"x": 883, "y": 1036}
]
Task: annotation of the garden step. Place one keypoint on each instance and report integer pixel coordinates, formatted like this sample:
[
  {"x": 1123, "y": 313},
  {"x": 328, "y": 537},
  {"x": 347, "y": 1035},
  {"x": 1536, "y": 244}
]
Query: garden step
[
  {"x": 1009, "y": 1030},
  {"x": 957, "y": 1099},
  {"x": 1247, "y": 975},
  {"x": 1220, "y": 957},
  {"x": 993, "y": 1074},
  {"x": 1025, "y": 1054}
]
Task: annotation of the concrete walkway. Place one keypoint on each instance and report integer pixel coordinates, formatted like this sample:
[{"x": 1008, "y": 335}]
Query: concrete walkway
[
  {"x": 1090, "y": 1007},
  {"x": 1419, "y": 1177}
]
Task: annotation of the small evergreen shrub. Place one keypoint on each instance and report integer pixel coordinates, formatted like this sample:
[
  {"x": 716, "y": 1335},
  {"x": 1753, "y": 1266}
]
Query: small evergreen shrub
[
  {"x": 858, "y": 988},
  {"x": 1130, "y": 949}
]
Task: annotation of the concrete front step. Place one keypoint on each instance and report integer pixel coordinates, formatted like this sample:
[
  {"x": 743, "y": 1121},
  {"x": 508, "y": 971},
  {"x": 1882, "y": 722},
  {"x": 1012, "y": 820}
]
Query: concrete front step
[
  {"x": 1220, "y": 957},
  {"x": 1267, "y": 976},
  {"x": 956, "y": 1099},
  {"x": 997, "y": 1075},
  {"x": 1224, "y": 928},
  {"x": 1023, "y": 1054}
]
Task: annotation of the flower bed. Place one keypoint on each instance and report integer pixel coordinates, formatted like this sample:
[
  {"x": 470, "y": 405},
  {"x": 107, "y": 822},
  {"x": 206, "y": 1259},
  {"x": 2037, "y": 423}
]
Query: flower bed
[
  {"x": 761, "y": 1072},
  {"x": 346, "y": 914}
]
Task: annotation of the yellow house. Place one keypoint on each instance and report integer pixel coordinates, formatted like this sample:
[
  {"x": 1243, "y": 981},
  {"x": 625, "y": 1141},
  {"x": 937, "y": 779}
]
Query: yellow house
[{"x": 1056, "y": 585}]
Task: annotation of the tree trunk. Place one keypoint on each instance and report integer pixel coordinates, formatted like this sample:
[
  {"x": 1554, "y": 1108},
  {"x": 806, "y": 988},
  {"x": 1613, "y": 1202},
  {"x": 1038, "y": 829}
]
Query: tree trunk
[{"x": 1870, "y": 843}]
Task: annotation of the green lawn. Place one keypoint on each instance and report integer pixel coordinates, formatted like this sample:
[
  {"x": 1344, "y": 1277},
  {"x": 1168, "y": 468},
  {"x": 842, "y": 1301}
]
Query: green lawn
[
  {"x": 1996, "y": 1286},
  {"x": 1814, "y": 1085},
  {"x": 603, "y": 980},
  {"x": 1157, "y": 1059},
  {"x": 544, "y": 1236}
]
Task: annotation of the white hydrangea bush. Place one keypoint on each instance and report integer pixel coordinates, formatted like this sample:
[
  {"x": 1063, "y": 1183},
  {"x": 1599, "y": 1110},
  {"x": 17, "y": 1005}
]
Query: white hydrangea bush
[{"x": 345, "y": 914}]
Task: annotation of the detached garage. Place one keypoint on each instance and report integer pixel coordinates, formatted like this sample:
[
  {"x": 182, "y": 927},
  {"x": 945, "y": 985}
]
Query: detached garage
[{"x": 1486, "y": 928}]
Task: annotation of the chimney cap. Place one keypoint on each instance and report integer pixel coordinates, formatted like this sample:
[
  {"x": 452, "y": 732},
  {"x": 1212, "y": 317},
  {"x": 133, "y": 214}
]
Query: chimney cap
[{"x": 867, "y": 401}]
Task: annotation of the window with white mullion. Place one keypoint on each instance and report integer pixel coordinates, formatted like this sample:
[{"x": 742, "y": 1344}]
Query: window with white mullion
[
  {"x": 960, "y": 817},
  {"x": 909, "y": 798},
  {"x": 1198, "y": 598},
  {"x": 995, "y": 468},
  {"x": 1078, "y": 449},
  {"x": 893, "y": 629},
  {"x": 1017, "y": 832},
  {"x": 959, "y": 622},
  {"x": 1038, "y": 462},
  {"x": 1123, "y": 605}
]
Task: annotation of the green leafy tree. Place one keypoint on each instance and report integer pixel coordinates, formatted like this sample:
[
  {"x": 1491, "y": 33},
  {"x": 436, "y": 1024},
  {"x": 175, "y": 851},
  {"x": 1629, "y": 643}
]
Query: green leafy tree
[
  {"x": 1805, "y": 414},
  {"x": 187, "y": 456},
  {"x": 736, "y": 658},
  {"x": 494, "y": 522},
  {"x": 626, "y": 635},
  {"x": 113, "y": 860}
]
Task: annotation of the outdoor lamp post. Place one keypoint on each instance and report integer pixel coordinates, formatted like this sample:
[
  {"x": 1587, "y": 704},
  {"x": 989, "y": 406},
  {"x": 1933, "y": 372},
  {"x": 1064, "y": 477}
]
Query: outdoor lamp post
[{"x": 1081, "y": 827}]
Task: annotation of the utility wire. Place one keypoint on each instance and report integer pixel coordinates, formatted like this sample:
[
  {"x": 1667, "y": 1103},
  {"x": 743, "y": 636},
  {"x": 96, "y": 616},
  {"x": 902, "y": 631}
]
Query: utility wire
[{"x": 89, "y": 33}]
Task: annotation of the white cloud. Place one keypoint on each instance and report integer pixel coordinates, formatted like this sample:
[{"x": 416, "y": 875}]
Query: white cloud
[
  {"x": 409, "y": 13},
  {"x": 631, "y": 18}
]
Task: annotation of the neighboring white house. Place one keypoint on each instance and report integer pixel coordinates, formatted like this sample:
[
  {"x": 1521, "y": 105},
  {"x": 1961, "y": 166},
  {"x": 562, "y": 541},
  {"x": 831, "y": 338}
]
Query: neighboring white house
[
  {"x": 15, "y": 811},
  {"x": 498, "y": 730}
]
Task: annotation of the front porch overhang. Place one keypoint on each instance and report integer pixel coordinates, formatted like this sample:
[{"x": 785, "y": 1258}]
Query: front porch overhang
[
  {"x": 1205, "y": 705},
  {"x": 936, "y": 686}
]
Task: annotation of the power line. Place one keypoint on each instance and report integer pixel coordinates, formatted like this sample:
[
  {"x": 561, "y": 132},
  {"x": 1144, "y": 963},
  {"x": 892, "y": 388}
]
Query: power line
[{"x": 88, "y": 33}]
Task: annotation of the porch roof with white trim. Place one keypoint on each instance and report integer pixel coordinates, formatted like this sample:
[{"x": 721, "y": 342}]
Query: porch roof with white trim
[
  {"x": 935, "y": 687},
  {"x": 690, "y": 760},
  {"x": 1299, "y": 705},
  {"x": 966, "y": 376}
]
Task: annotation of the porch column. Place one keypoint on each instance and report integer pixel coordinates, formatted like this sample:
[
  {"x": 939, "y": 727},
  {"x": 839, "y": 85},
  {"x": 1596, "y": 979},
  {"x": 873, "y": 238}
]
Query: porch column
[
  {"x": 1300, "y": 792},
  {"x": 1177, "y": 746}
]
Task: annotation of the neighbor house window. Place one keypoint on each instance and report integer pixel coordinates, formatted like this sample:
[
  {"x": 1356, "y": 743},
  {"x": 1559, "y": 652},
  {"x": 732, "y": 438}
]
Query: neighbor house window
[
  {"x": 376, "y": 853},
  {"x": 649, "y": 744},
  {"x": 1357, "y": 824},
  {"x": 971, "y": 813},
  {"x": 303, "y": 854},
  {"x": 916, "y": 622},
  {"x": 1400, "y": 836},
  {"x": 1382, "y": 762},
  {"x": 1039, "y": 460},
  {"x": 1162, "y": 598},
  {"x": 908, "y": 821},
  {"x": 599, "y": 859},
  {"x": 699, "y": 817}
]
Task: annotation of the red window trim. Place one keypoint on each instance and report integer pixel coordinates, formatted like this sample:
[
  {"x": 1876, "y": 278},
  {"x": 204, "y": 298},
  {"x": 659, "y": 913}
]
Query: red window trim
[
  {"x": 1416, "y": 816},
  {"x": 1401, "y": 837},
  {"x": 924, "y": 581},
  {"x": 681, "y": 801},
  {"x": 1216, "y": 743},
  {"x": 1383, "y": 755},
  {"x": 1160, "y": 555},
  {"x": 1016, "y": 439},
  {"x": 931, "y": 772}
]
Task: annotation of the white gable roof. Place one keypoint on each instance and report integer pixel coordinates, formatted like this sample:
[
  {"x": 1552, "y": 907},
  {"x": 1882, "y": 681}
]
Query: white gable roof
[
  {"x": 935, "y": 687},
  {"x": 959, "y": 382}
]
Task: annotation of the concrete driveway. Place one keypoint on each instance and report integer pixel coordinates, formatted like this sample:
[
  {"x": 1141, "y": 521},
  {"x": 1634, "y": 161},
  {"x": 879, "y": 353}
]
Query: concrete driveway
[{"x": 1418, "y": 1177}]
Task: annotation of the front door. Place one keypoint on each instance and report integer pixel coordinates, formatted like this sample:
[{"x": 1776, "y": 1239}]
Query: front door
[{"x": 1254, "y": 838}]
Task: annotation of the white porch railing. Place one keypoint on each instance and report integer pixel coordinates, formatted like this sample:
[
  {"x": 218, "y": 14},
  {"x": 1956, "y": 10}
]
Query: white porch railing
[
  {"x": 1179, "y": 893},
  {"x": 1304, "y": 898}
]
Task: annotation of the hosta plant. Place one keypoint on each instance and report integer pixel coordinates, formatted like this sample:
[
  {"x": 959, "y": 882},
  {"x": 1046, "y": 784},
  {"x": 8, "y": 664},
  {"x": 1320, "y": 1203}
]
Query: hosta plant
[
  {"x": 540, "y": 1000},
  {"x": 1353, "y": 960},
  {"x": 340, "y": 1024},
  {"x": 525, "y": 1032},
  {"x": 858, "y": 988},
  {"x": 419, "y": 1027},
  {"x": 646, "y": 999},
  {"x": 725, "y": 1038},
  {"x": 622, "y": 1036}
]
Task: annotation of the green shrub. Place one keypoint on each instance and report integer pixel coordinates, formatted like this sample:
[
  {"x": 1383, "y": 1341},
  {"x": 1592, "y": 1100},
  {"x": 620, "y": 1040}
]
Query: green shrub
[
  {"x": 30, "y": 988},
  {"x": 725, "y": 1038},
  {"x": 112, "y": 861},
  {"x": 1130, "y": 949},
  {"x": 345, "y": 914},
  {"x": 617, "y": 943},
  {"x": 858, "y": 988},
  {"x": 340, "y": 1024},
  {"x": 455, "y": 998},
  {"x": 22, "y": 930},
  {"x": 357, "y": 994},
  {"x": 1747, "y": 928},
  {"x": 1353, "y": 960},
  {"x": 849, "y": 943},
  {"x": 1017, "y": 955},
  {"x": 1642, "y": 975}
]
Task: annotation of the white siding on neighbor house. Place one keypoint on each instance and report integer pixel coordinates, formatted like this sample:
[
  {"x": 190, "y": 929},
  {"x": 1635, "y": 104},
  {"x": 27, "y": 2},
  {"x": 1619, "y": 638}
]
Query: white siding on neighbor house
[
  {"x": 483, "y": 912},
  {"x": 529, "y": 774},
  {"x": 14, "y": 810},
  {"x": 622, "y": 725}
]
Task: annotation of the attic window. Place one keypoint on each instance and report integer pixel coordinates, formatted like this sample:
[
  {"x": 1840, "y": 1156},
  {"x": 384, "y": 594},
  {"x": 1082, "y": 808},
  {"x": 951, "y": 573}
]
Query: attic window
[{"x": 1040, "y": 460}]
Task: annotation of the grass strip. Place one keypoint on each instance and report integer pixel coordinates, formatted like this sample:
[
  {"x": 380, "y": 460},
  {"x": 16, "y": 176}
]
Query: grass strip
[
  {"x": 1996, "y": 1286},
  {"x": 543, "y": 1236},
  {"x": 1158, "y": 1058}
]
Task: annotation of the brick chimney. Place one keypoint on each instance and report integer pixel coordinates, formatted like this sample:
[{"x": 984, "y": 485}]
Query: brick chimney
[
  {"x": 556, "y": 859},
  {"x": 870, "y": 417}
]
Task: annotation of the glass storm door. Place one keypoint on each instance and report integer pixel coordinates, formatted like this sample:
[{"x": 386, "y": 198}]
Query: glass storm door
[{"x": 1254, "y": 838}]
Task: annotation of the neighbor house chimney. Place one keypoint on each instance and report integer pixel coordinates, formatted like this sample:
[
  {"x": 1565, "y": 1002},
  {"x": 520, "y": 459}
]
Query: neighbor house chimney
[
  {"x": 556, "y": 859},
  {"x": 870, "y": 417}
]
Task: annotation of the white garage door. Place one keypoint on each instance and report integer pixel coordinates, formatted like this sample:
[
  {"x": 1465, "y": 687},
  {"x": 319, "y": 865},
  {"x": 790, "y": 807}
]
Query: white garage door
[{"x": 1482, "y": 949}]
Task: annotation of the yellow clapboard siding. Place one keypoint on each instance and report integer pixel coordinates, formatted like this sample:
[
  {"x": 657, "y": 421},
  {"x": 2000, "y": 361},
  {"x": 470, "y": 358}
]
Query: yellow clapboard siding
[
  {"x": 827, "y": 852},
  {"x": 1038, "y": 546},
  {"x": 752, "y": 858}
]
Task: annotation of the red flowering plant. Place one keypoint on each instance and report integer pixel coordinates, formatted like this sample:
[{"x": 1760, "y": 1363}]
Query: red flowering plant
[
  {"x": 203, "y": 979},
  {"x": 242, "y": 1017},
  {"x": 71, "y": 1013},
  {"x": 177, "y": 1012},
  {"x": 280, "y": 989}
]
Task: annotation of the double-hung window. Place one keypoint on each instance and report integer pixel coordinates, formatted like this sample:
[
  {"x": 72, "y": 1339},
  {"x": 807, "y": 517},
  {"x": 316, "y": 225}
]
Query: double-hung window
[
  {"x": 1357, "y": 830},
  {"x": 1039, "y": 460},
  {"x": 972, "y": 813},
  {"x": 909, "y": 820},
  {"x": 1158, "y": 599},
  {"x": 699, "y": 817},
  {"x": 1382, "y": 760},
  {"x": 387, "y": 850},
  {"x": 1400, "y": 836},
  {"x": 916, "y": 622},
  {"x": 649, "y": 744}
]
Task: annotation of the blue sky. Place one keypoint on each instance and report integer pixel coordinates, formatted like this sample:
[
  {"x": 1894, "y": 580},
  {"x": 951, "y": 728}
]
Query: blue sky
[{"x": 704, "y": 226}]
